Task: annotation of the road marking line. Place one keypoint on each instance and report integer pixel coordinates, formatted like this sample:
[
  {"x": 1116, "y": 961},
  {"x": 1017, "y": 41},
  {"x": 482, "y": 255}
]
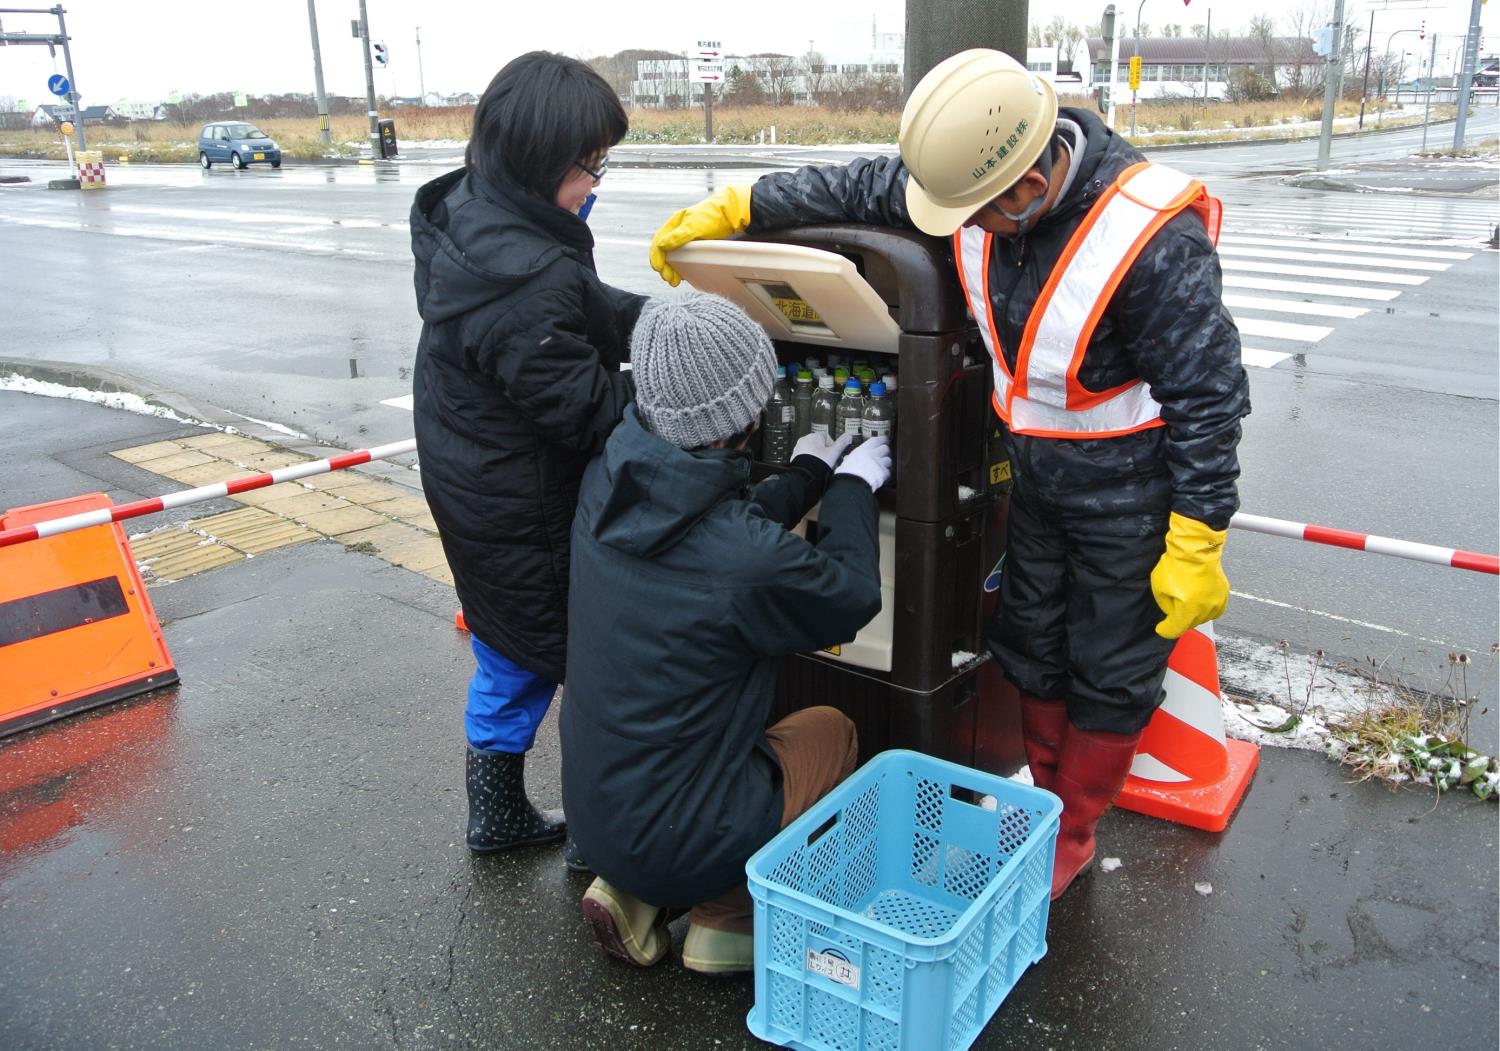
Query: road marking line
[
  {"x": 1252, "y": 326},
  {"x": 1269, "y": 284},
  {"x": 1291, "y": 306},
  {"x": 1342, "y": 620},
  {"x": 403, "y": 402},
  {"x": 1261, "y": 359},
  {"x": 1386, "y": 247},
  {"x": 1395, "y": 226},
  {"x": 1321, "y": 271},
  {"x": 1319, "y": 257}
]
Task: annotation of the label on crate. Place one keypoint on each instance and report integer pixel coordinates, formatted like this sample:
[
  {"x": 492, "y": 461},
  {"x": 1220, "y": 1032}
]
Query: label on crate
[
  {"x": 999, "y": 472},
  {"x": 833, "y": 966}
]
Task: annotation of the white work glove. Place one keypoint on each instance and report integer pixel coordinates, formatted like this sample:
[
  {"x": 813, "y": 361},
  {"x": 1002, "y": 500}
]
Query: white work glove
[
  {"x": 870, "y": 462},
  {"x": 818, "y": 445}
]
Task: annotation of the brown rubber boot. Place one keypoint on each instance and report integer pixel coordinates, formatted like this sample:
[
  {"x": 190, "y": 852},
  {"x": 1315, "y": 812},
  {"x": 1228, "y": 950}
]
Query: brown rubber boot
[
  {"x": 1090, "y": 773},
  {"x": 1044, "y": 724}
]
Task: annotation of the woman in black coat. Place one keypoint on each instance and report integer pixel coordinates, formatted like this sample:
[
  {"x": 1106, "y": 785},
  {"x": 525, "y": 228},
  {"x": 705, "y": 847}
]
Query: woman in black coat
[{"x": 517, "y": 384}]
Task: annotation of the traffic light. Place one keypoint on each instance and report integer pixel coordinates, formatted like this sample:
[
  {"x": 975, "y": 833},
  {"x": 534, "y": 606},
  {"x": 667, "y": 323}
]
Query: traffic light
[
  {"x": 1135, "y": 72},
  {"x": 382, "y": 57}
]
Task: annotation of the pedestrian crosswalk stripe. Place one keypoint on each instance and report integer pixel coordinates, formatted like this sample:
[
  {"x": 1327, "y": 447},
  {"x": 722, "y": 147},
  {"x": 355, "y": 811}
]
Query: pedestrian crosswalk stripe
[
  {"x": 1254, "y": 326},
  {"x": 1293, "y": 306},
  {"x": 1321, "y": 271},
  {"x": 1261, "y": 359},
  {"x": 1271, "y": 284},
  {"x": 1395, "y": 224},
  {"x": 1326, "y": 244},
  {"x": 1322, "y": 257}
]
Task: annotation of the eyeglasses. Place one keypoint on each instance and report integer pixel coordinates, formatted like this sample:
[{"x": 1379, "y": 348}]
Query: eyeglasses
[{"x": 595, "y": 175}]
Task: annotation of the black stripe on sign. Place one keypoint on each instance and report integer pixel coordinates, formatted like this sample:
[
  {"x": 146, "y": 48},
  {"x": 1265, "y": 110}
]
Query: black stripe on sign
[{"x": 34, "y": 616}]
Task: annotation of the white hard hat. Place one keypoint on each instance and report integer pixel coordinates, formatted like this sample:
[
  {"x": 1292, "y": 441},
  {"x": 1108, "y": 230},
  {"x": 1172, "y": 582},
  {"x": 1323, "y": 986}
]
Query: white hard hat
[{"x": 973, "y": 126}]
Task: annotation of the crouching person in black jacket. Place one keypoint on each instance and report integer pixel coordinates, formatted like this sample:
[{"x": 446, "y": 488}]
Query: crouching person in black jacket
[{"x": 687, "y": 585}]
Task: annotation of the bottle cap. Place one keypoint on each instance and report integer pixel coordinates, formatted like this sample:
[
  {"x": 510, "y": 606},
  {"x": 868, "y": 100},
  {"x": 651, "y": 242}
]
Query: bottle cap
[
  {"x": 841, "y": 375},
  {"x": 804, "y": 374},
  {"x": 890, "y": 380},
  {"x": 825, "y": 381},
  {"x": 854, "y": 385},
  {"x": 781, "y": 372},
  {"x": 877, "y": 389}
]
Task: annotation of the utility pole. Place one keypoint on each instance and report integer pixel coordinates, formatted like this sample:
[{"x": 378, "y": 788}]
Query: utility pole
[
  {"x": 1427, "y": 106},
  {"x": 1331, "y": 83},
  {"x": 1364, "y": 90},
  {"x": 1465, "y": 80},
  {"x": 421, "y": 82},
  {"x": 1138, "y": 9},
  {"x": 936, "y": 29},
  {"x": 364, "y": 37},
  {"x": 1208, "y": 36},
  {"x": 312, "y": 23}
]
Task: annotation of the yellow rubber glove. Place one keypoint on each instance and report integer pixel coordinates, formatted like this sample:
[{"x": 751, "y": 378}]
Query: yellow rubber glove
[
  {"x": 1189, "y": 581},
  {"x": 726, "y": 212}
]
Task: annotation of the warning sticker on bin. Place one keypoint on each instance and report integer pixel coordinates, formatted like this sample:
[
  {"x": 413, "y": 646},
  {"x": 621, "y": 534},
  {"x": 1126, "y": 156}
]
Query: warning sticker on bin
[
  {"x": 835, "y": 650},
  {"x": 833, "y": 966}
]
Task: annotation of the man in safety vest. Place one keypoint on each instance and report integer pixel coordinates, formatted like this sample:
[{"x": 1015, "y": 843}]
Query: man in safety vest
[{"x": 1094, "y": 282}]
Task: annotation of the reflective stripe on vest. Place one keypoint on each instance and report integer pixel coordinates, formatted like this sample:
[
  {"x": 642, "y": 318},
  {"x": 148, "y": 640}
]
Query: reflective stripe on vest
[{"x": 1044, "y": 397}]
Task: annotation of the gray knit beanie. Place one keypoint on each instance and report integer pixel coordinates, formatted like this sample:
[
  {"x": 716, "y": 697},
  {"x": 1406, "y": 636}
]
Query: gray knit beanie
[{"x": 703, "y": 369}]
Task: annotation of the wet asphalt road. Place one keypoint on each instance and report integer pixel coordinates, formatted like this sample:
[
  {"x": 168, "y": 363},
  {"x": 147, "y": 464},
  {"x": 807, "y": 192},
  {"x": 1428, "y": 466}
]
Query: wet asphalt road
[
  {"x": 285, "y": 296},
  {"x": 269, "y": 856}
]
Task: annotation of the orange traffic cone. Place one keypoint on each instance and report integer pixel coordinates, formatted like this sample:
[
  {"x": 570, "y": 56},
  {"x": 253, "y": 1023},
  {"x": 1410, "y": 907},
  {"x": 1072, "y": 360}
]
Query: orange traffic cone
[{"x": 1185, "y": 769}]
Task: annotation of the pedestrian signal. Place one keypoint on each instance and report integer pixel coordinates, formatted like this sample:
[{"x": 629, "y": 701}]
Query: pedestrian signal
[{"x": 1135, "y": 72}]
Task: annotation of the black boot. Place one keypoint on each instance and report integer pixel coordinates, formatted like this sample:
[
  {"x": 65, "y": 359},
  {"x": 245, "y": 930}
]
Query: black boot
[
  {"x": 573, "y": 857},
  {"x": 500, "y": 815}
]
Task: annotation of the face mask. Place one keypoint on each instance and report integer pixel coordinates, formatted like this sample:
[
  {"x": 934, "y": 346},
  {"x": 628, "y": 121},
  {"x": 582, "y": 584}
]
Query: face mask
[{"x": 1023, "y": 218}]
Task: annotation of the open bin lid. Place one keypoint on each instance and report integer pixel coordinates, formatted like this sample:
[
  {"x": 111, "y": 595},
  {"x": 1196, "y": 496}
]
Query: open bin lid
[{"x": 796, "y": 293}]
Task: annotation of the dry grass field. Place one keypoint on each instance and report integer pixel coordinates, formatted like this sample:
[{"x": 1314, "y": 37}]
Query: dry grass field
[{"x": 1163, "y": 122}]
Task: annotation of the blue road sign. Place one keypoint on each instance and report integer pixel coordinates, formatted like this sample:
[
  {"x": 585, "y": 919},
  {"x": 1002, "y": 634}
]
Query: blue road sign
[{"x": 58, "y": 84}]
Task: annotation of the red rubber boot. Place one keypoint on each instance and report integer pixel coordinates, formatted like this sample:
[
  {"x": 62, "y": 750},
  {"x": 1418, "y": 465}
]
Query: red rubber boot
[
  {"x": 1090, "y": 773},
  {"x": 1044, "y": 724}
]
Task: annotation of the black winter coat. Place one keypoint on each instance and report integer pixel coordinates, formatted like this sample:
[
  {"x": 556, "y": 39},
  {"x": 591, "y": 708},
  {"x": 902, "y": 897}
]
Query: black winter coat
[
  {"x": 517, "y": 384},
  {"x": 1166, "y": 325},
  {"x": 687, "y": 587}
]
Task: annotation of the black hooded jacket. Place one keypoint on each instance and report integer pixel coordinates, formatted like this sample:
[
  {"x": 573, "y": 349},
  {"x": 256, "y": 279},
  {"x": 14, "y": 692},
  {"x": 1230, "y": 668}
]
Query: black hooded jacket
[
  {"x": 1166, "y": 325},
  {"x": 687, "y": 586},
  {"x": 517, "y": 384}
]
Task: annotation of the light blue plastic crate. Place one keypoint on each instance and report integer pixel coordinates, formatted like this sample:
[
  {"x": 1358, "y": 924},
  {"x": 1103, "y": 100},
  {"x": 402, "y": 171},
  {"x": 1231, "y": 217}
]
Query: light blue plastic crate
[{"x": 898, "y": 912}]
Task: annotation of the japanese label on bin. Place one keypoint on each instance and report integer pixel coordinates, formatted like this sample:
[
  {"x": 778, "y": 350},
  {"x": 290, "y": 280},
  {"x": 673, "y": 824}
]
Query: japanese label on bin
[
  {"x": 793, "y": 307},
  {"x": 834, "y": 967},
  {"x": 999, "y": 472}
]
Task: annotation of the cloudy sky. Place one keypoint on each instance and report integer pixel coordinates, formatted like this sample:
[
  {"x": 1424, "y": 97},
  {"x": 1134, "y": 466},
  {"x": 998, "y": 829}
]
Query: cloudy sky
[{"x": 143, "y": 49}]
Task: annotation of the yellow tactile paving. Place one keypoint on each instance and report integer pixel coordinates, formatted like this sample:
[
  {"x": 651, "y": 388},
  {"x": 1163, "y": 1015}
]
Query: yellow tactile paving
[
  {"x": 175, "y": 553},
  {"x": 369, "y": 492},
  {"x": 176, "y": 461},
  {"x": 213, "y": 440},
  {"x": 254, "y": 531},
  {"x": 208, "y": 473},
  {"x": 341, "y": 520},
  {"x": 294, "y": 500},
  {"x": 402, "y": 507},
  {"x": 365, "y": 513},
  {"x": 154, "y": 451}
]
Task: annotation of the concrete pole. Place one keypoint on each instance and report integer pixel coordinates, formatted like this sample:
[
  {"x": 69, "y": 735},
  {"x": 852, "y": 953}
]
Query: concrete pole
[
  {"x": 421, "y": 80},
  {"x": 1427, "y": 105},
  {"x": 312, "y": 24},
  {"x": 1208, "y": 37},
  {"x": 1114, "y": 74},
  {"x": 1331, "y": 85},
  {"x": 364, "y": 39},
  {"x": 1465, "y": 79},
  {"x": 1364, "y": 90},
  {"x": 936, "y": 29},
  {"x": 1133, "y": 101}
]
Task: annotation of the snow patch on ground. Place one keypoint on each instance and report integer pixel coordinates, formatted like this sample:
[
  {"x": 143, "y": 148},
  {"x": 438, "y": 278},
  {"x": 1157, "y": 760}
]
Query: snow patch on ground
[
  {"x": 109, "y": 399},
  {"x": 268, "y": 425},
  {"x": 1110, "y": 864}
]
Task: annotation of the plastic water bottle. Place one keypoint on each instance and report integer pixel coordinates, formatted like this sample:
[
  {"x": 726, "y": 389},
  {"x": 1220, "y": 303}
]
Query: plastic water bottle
[
  {"x": 824, "y": 407},
  {"x": 879, "y": 417},
  {"x": 802, "y": 396},
  {"x": 850, "y": 415},
  {"x": 776, "y": 441}
]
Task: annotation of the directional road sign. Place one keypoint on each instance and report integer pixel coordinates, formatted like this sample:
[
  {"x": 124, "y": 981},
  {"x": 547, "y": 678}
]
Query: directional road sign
[
  {"x": 708, "y": 72},
  {"x": 58, "y": 84}
]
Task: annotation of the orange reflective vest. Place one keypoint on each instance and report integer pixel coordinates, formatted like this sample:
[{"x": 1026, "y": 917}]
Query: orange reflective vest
[{"x": 1044, "y": 396}]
